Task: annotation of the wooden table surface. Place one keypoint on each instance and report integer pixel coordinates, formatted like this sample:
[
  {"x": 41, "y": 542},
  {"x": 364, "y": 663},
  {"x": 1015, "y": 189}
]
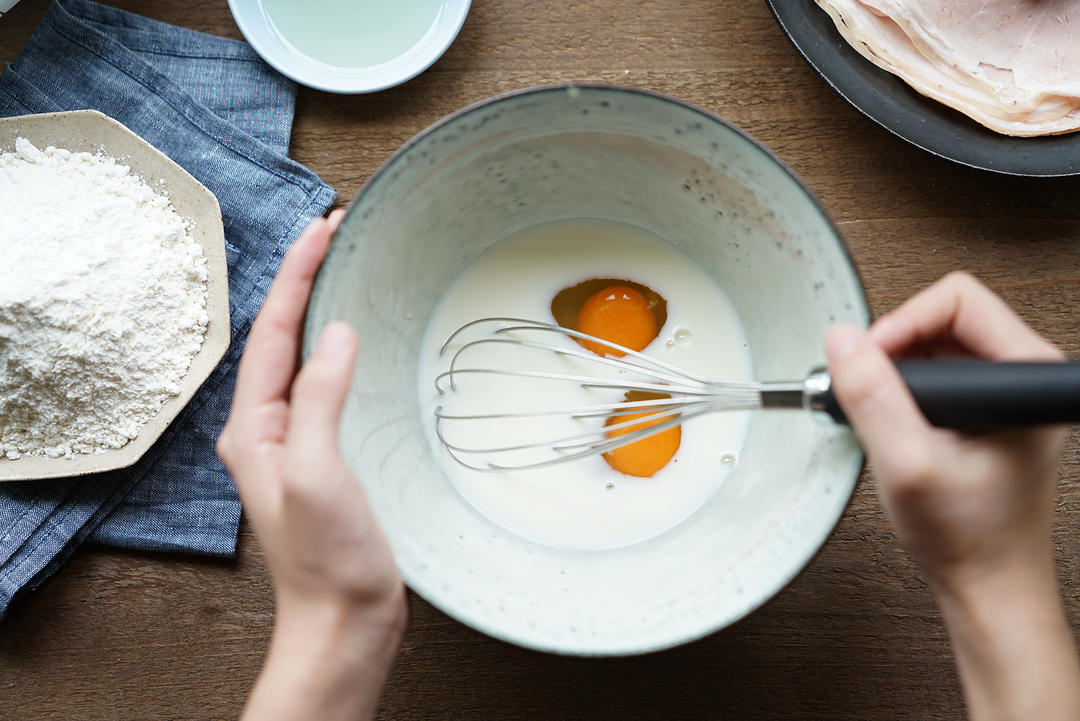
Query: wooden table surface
[{"x": 856, "y": 636}]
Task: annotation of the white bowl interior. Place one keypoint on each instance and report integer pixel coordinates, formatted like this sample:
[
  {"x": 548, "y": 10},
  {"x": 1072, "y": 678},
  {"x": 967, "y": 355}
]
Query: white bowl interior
[
  {"x": 258, "y": 31},
  {"x": 682, "y": 174}
]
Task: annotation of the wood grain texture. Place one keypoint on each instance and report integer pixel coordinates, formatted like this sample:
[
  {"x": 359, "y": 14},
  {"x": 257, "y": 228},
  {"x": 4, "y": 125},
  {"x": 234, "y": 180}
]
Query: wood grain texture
[{"x": 856, "y": 636}]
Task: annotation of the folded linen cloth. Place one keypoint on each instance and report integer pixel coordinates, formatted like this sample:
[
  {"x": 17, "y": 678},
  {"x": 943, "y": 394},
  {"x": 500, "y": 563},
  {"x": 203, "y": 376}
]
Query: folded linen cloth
[{"x": 215, "y": 108}]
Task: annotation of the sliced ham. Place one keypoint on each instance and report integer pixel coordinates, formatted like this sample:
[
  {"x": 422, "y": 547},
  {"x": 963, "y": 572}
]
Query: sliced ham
[{"x": 1012, "y": 65}]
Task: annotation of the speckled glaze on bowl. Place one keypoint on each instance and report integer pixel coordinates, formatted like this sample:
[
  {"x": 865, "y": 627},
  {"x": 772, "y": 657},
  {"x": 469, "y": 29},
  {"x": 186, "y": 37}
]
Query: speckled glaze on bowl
[{"x": 689, "y": 177}]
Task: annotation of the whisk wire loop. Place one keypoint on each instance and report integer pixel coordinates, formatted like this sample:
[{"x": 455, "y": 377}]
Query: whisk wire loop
[
  {"x": 684, "y": 396},
  {"x": 568, "y": 351},
  {"x": 524, "y": 324},
  {"x": 560, "y": 446}
]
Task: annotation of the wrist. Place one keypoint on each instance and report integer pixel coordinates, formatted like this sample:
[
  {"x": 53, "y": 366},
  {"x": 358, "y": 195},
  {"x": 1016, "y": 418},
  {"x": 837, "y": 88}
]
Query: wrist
[
  {"x": 1013, "y": 644},
  {"x": 344, "y": 631},
  {"x": 328, "y": 658},
  {"x": 1022, "y": 576}
]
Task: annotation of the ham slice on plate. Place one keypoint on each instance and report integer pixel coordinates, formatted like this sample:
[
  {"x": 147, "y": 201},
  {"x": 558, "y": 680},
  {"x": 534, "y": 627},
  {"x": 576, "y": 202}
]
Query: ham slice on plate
[{"x": 1012, "y": 65}]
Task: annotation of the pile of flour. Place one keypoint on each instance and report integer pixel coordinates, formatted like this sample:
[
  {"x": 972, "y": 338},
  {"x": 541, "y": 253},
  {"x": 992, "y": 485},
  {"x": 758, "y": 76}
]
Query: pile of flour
[{"x": 102, "y": 302}]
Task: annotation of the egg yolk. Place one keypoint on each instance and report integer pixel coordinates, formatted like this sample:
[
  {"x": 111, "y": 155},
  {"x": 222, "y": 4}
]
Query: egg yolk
[
  {"x": 618, "y": 314},
  {"x": 645, "y": 457}
]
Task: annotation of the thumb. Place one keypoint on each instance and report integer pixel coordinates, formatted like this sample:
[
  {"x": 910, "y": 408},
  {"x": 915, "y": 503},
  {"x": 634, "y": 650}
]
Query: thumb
[
  {"x": 875, "y": 399},
  {"x": 319, "y": 392}
]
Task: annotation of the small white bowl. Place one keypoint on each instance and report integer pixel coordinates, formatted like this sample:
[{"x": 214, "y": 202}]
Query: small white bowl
[{"x": 258, "y": 31}]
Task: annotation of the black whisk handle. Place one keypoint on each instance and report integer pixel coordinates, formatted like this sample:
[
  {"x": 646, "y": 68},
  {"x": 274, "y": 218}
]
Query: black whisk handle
[{"x": 980, "y": 395}]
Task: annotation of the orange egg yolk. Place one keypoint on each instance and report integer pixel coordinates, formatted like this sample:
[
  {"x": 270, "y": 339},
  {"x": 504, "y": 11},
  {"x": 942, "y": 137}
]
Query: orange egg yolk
[
  {"x": 645, "y": 457},
  {"x": 618, "y": 314}
]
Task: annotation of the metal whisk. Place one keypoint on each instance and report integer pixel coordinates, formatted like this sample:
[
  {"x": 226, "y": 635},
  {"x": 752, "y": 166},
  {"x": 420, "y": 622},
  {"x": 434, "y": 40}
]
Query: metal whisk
[
  {"x": 687, "y": 394},
  {"x": 962, "y": 394}
]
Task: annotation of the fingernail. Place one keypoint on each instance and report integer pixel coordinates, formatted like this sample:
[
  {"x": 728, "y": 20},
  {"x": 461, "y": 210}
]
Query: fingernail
[
  {"x": 881, "y": 329},
  {"x": 843, "y": 340},
  {"x": 334, "y": 339},
  {"x": 336, "y": 218}
]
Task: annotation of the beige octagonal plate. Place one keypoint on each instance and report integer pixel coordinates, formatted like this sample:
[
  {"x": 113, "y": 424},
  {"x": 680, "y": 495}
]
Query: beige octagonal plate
[{"x": 91, "y": 131}]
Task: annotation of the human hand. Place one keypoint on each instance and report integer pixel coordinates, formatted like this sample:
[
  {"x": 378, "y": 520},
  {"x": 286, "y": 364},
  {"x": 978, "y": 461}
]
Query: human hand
[
  {"x": 340, "y": 602},
  {"x": 960, "y": 503},
  {"x": 975, "y": 511}
]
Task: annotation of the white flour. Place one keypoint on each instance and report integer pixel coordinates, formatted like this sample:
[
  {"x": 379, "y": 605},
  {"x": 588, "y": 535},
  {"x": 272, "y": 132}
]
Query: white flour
[{"x": 102, "y": 302}]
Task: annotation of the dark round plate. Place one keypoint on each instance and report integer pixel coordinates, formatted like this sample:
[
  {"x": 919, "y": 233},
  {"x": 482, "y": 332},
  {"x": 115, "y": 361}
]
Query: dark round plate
[{"x": 925, "y": 123}]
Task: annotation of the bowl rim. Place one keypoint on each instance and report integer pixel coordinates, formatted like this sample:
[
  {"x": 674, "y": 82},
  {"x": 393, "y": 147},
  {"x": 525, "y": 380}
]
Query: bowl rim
[
  {"x": 342, "y": 83},
  {"x": 422, "y": 589}
]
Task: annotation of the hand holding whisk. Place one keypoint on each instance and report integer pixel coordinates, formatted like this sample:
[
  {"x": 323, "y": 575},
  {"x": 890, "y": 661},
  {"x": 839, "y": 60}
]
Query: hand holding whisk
[{"x": 963, "y": 394}]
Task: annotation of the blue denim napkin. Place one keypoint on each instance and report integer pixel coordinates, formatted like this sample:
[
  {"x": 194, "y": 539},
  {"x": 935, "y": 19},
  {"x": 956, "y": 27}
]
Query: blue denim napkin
[{"x": 214, "y": 107}]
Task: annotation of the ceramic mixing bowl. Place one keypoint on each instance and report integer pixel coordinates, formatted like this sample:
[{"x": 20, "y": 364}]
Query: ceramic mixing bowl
[{"x": 685, "y": 175}]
